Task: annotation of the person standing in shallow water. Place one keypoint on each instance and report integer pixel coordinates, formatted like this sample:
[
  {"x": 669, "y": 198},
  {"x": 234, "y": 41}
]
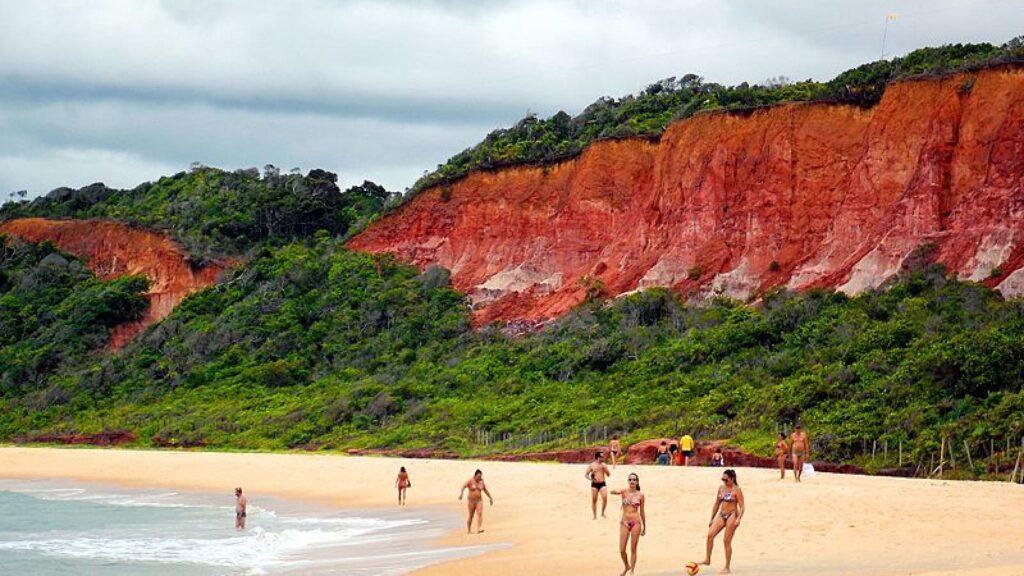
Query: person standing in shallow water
[
  {"x": 801, "y": 447},
  {"x": 477, "y": 488},
  {"x": 726, "y": 514},
  {"x": 240, "y": 504},
  {"x": 402, "y": 483},
  {"x": 634, "y": 522},
  {"x": 597, "y": 472}
]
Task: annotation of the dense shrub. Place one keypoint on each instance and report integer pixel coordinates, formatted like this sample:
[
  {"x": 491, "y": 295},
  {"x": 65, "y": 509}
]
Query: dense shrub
[{"x": 533, "y": 140}]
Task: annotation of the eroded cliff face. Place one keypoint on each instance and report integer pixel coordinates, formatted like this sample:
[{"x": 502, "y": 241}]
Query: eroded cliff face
[
  {"x": 798, "y": 195},
  {"x": 112, "y": 250}
]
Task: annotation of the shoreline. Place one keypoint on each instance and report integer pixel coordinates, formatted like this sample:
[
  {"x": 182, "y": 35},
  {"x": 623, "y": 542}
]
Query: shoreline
[
  {"x": 835, "y": 524},
  {"x": 170, "y": 530}
]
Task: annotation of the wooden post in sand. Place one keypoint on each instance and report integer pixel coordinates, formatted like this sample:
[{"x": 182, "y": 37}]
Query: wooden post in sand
[
  {"x": 970, "y": 462},
  {"x": 942, "y": 456},
  {"x": 952, "y": 459},
  {"x": 1013, "y": 474},
  {"x": 901, "y": 453}
]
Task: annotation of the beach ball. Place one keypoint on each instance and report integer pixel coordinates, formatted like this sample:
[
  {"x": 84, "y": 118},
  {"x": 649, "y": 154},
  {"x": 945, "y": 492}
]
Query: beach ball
[{"x": 692, "y": 568}]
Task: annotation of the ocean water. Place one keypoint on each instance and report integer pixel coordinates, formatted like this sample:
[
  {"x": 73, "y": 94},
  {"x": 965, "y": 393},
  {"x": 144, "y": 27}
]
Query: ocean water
[{"x": 57, "y": 528}]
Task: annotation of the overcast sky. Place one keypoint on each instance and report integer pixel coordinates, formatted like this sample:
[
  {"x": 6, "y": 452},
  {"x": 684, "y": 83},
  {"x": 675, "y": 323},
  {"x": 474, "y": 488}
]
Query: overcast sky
[{"x": 126, "y": 91}]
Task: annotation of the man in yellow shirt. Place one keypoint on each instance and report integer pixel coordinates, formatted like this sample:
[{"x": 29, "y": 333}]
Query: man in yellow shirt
[{"x": 686, "y": 445}]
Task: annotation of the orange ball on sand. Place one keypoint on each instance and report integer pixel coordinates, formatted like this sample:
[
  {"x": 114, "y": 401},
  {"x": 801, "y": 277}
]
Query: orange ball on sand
[{"x": 692, "y": 568}]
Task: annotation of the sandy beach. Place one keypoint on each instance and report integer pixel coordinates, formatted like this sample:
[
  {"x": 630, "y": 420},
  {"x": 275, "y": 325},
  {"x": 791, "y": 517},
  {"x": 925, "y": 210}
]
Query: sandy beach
[{"x": 829, "y": 524}]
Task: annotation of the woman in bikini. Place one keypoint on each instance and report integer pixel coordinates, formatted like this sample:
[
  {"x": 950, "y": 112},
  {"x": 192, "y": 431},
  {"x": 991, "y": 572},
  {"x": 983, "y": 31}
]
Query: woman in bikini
[
  {"x": 727, "y": 513},
  {"x": 402, "y": 482},
  {"x": 476, "y": 488},
  {"x": 634, "y": 521},
  {"x": 614, "y": 449},
  {"x": 781, "y": 448}
]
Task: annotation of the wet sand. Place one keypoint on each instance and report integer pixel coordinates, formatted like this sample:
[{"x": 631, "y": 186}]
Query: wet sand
[{"x": 829, "y": 524}]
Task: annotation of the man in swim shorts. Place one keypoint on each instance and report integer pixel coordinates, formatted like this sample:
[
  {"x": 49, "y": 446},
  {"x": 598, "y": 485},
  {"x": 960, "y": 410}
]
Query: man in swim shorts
[
  {"x": 240, "y": 503},
  {"x": 800, "y": 447},
  {"x": 597, "y": 472}
]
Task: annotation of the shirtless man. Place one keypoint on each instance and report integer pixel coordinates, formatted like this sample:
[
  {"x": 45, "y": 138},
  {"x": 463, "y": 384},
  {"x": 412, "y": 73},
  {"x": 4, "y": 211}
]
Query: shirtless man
[
  {"x": 800, "y": 446},
  {"x": 598, "y": 474},
  {"x": 240, "y": 503}
]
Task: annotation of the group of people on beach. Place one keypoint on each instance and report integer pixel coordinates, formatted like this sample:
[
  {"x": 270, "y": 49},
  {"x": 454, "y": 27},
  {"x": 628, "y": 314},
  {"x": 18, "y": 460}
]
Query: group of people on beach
[
  {"x": 726, "y": 512},
  {"x": 799, "y": 449},
  {"x": 674, "y": 454},
  {"x": 475, "y": 503}
]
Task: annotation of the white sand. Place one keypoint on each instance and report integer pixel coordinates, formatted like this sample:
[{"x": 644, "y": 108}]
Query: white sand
[{"x": 830, "y": 524}]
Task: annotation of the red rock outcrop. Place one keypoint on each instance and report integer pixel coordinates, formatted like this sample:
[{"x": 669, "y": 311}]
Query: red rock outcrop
[
  {"x": 112, "y": 250},
  {"x": 105, "y": 438},
  {"x": 798, "y": 195}
]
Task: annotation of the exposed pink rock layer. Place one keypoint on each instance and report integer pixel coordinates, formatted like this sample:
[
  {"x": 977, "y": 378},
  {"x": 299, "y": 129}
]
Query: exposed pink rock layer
[
  {"x": 798, "y": 195},
  {"x": 112, "y": 250}
]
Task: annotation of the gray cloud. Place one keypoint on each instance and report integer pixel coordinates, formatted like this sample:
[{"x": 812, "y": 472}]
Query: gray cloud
[{"x": 123, "y": 91}]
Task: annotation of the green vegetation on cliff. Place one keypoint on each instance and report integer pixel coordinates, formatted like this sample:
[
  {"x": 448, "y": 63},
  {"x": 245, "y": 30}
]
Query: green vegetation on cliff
[
  {"x": 216, "y": 212},
  {"x": 55, "y": 316},
  {"x": 313, "y": 345},
  {"x": 647, "y": 114}
]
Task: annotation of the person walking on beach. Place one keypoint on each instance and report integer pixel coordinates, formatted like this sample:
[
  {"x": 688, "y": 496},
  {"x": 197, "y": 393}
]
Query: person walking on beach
[
  {"x": 477, "y": 488},
  {"x": 634, "y": 522},
  {"x": 801, "y": 448},
  {"x": 781, "y": 447},
  {"x": 240, "y": 504},
  {"x": 663, "y": 453},
  {"x": 726, "y": 513},
  {"x": 597, "y": 472},
  {"x": 614, "y": 448},
  {"x": 686, "y": 445},
  {"x": 402, "y": 482}
]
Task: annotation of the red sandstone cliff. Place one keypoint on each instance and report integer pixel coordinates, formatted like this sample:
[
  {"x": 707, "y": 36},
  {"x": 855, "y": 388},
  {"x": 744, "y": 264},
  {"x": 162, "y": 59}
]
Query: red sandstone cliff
[
  {"x": 112, "y": 250},
  {"x": 798, "y": 195}
]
